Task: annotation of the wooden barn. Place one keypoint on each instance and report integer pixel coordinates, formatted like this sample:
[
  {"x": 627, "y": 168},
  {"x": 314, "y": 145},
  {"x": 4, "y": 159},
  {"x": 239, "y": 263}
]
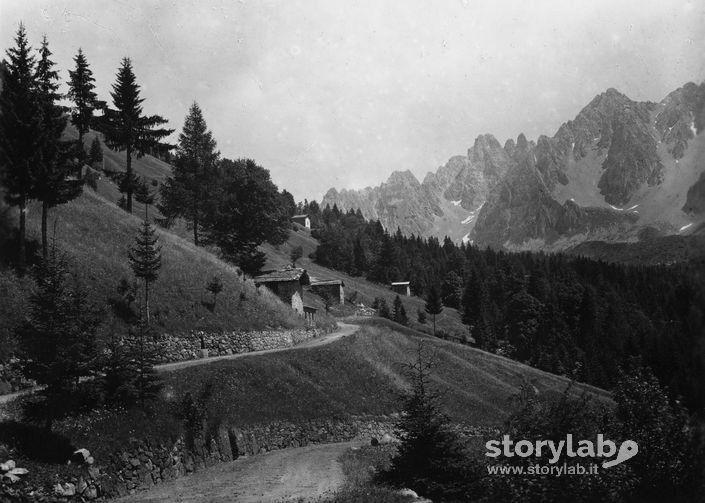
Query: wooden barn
[
  {"x": 302, "y": 220},
  {"x": 402, "y": 288},
  {"x": 287, "y": 284},
  {"x": 333, "y": 288}
]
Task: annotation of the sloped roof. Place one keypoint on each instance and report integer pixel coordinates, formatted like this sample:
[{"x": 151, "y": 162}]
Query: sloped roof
[
  {"x": 287, "y": 274},
  {"x": 325, "y": 282},
  {"x": 300, "y": 216},
  {"x": 398, "y": 283}
]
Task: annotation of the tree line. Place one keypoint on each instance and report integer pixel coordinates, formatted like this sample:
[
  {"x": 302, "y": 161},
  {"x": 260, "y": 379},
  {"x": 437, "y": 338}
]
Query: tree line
[
  {"x": 232, "y": 204},
  {"x": 36, "y": 162},
  {"x": 434, "y": 460},
  {"x": 567, "y": 315}
]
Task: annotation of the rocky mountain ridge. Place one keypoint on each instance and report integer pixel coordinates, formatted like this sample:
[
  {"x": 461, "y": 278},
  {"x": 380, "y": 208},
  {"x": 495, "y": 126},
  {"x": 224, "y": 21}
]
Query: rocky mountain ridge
[{"x": 619, "y": 170}]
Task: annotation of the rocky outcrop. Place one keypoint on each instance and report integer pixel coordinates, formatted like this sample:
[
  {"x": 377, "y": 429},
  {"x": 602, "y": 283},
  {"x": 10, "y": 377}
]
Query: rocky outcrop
[{"x": 695, "y": 203}]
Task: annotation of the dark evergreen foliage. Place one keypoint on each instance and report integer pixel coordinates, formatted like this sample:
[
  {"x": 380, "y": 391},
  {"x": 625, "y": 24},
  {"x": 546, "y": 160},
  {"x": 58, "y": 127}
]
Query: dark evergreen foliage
[
  {"x": 186, "y": 193},
  {"x": 126, "y": 128},
  {"x": 567, "y": 315},
  {"x": 380, "y": 305},
  {"x": 20, "y": 132},
  {"x": 57, "y": 173},
  {"x": 57, "y": 340},
  {"x": 434, "y": 305},
  {"x": 214, "y": 287},
  {"x": 96, "y": 153},
  {"x": 399, "y": 313},
  {"x": 430, "y": 459},
  {"x": 243, "y": 212},
  {"x": 146, "y": 260},
  {"x": 668, "y": 467},
  {"x": 81, "y": 85}
]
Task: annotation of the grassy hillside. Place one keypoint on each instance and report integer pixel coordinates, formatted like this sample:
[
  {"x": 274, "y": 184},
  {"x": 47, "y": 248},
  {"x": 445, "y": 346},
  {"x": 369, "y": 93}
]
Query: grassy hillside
[
  {"x": 96, "y": 234},
  {"x": 448, "y": 321},
  {"x": 360, "y": 375}
]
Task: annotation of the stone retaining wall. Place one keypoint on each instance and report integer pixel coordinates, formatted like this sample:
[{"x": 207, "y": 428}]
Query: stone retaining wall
[
  {"x": 174, "y": 348},
  {"x": 142, "y": 464}
]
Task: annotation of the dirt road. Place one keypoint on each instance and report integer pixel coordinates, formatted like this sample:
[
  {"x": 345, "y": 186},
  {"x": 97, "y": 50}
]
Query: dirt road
[
  {"x": 305, "y": 473},
  {"x": 344, "y": 330}
]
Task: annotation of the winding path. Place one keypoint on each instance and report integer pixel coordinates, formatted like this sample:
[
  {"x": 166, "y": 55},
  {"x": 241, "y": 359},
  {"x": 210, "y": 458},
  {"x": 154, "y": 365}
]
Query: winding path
[
  {"x": 344, "y": 330},
  {"x": 305, "y": 473}
]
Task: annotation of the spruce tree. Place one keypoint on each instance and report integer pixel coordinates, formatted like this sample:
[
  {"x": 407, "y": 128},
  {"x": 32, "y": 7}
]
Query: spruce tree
[
  {"x": 144, "y": 196},
  {"x": 126, "y": 128},
  {"x": 430, "y": 459},
  {"x": 20, "y": 131},
  {"x": 214, "y": 286},
  {"x": 96, "y": 152},
  {"x": 434, "y": 305},
  {"x": 81, "y": 85},
  {"x": 58, "y": 337},
  {"x": 399, "y": 312},
  {"x": 56, "y": 178},
  {"x": 146, "y": 260},
  {"x": 184, "y": 194}
]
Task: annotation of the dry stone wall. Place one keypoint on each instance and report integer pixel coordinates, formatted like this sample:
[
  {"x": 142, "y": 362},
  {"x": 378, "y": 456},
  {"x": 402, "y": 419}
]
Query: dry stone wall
[
  {"x": 174, "y": 348},
  {"x": 141, "y": 464}
]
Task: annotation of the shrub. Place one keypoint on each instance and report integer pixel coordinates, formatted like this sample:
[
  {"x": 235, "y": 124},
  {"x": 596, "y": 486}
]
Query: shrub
[{"x": 36, "y": 443}]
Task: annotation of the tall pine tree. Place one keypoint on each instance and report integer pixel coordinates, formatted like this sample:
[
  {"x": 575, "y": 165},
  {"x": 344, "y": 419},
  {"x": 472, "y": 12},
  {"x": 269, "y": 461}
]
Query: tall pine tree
[
  {"x": 81, "y": 85},
  {"x": 57, "y": 176},
  {"x": 184, "y": 194},
  {"x": 20, "y": 132},
  {"x": 146, "y": 260},
  {"x": 434, "y": 305},
  {"x": 128, "y": 129}
]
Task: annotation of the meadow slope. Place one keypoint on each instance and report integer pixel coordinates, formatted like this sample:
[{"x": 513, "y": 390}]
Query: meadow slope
[{"x": 95, "y": 235}]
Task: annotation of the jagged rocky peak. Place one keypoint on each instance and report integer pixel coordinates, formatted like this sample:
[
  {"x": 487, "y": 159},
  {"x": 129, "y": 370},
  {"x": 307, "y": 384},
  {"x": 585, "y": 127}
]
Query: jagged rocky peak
[
  {"x": 682, "y": 117},
  {"x": 405, "y": 178},
  {"x": 509, "y": 147},
  {"x": 615, "y": 152},
  {"x": 331, "y": 194},
  {"x": 521, "y": 148}
]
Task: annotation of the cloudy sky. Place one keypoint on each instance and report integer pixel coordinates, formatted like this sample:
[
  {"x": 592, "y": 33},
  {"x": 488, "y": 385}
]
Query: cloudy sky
[{"x": 332, "y": 93}]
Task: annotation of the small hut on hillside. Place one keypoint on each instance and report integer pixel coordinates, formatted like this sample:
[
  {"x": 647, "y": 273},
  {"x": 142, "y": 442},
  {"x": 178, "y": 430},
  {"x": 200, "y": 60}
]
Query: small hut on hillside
[
  {"x": 302, "y": 220},
  {"x": 333, "y": 288},
  {"x": 287, "y": 284},
  {"x": 402, "y": 288}
]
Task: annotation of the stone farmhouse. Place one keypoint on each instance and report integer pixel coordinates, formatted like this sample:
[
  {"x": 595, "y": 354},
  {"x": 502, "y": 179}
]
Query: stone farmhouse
[{"x": 287, "y": 284}]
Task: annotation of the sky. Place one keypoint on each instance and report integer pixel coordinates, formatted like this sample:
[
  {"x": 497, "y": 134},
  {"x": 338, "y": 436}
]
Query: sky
[{"x": 332, "y": 93}]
